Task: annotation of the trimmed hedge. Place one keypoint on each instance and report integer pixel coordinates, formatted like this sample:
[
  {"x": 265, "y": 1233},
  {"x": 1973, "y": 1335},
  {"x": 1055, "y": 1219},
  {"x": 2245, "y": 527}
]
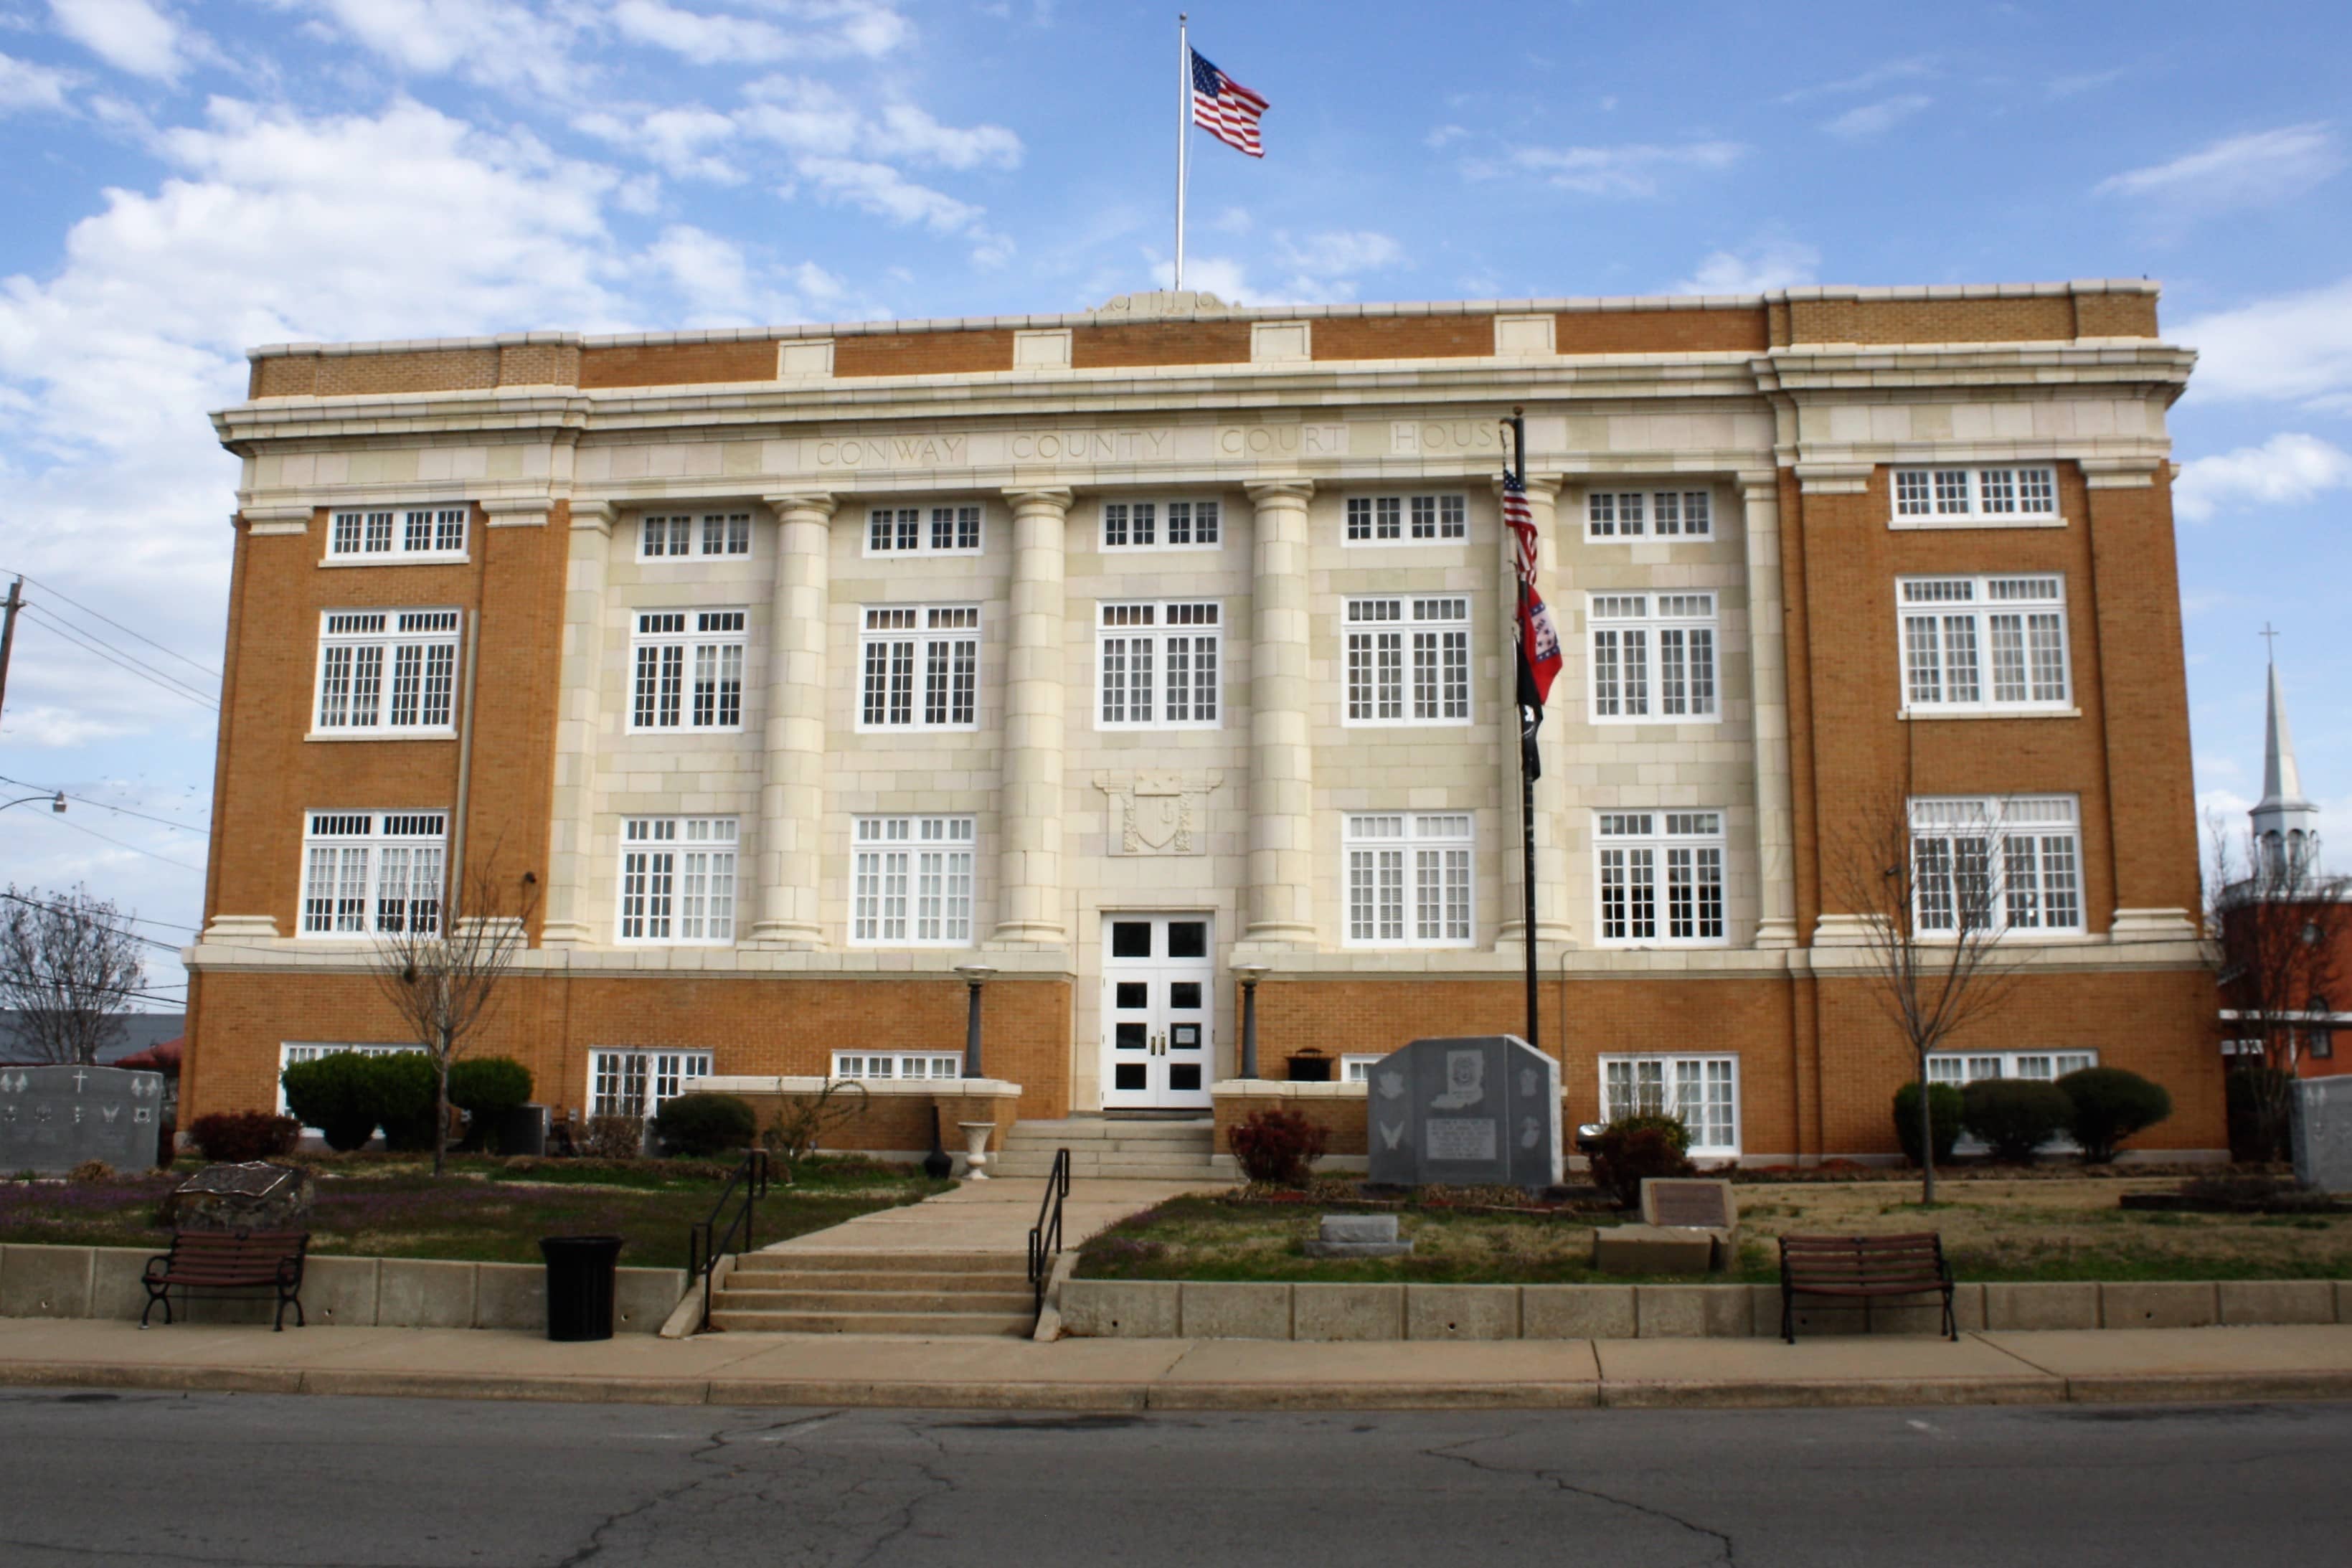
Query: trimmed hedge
[
  {"x": 700, "y": 1125},
  {"x": 233, "y": 1137},
  {"x": 337, "y": 1093},
  {"x": 406, "y": 1085},
  {"x": 2110, "y": 1104},
  {"x": 2015, "y": 1115},
  {"x": 1943, "y": 1110},
  {"x": 1634, "y": 1147}
]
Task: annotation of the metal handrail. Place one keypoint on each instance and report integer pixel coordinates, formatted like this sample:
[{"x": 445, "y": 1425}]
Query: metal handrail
[
  {"x": 706, "y": 1242},
  {"x": 1045, "y": 1236}
]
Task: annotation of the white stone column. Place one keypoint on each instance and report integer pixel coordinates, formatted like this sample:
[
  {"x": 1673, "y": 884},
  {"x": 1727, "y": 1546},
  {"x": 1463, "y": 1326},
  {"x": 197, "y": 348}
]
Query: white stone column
[
  {"x": 1282, "y": 750},
  {"x": 1029, "y": 893},
  {"x": 1552, "y": 923},
  {"x": 791, "y": 787},
  {"x": 572, "y": 816},
  {"x": 1767, "y": 662}
]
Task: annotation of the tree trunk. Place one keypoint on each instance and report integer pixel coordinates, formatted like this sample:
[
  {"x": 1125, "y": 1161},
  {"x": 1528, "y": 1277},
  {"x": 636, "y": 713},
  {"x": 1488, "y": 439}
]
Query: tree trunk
[
  {"x": 441, "y": 1106},
  {"x": 1927, "y": 1135}
]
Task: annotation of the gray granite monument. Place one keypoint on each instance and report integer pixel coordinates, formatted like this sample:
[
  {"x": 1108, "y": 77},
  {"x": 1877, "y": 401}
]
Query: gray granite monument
[
  {"x": 55, "y": 1117},
  {"x": 2321, "y": 1123},
  {"x": 1479, "y": 1112}
]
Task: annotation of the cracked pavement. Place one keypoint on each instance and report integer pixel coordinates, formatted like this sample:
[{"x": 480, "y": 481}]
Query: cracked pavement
[{"x": 132, "y": 1479}]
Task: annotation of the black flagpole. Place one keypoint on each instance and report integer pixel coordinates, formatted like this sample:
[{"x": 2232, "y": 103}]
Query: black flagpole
[{"x": 1531, "y": 716}]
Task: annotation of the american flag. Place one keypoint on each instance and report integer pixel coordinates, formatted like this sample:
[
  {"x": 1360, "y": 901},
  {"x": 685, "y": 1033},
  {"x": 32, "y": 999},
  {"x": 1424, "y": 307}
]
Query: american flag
[
  {"x": 1225, "y": 109},
  {"x": 1540, "y": 657}
]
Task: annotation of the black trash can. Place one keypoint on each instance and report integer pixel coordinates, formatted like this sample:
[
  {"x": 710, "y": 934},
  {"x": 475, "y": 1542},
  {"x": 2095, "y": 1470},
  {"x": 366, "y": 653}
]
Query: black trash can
[{"x": 580, "y": 1284}]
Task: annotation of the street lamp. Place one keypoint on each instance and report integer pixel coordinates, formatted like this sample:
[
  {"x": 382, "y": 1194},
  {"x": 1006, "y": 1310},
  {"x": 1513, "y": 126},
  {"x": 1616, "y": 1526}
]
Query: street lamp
[
  {"x": 1250, "y": 974},
  {"x": 975, "y": 975},
  {"x": 56, "y": 802}
]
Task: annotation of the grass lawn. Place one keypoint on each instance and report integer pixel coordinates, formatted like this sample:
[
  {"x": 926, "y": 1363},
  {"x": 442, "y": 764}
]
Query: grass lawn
[
  {"x": 2031, "y": 1229},
  {"x": 485, "y": 1210}
]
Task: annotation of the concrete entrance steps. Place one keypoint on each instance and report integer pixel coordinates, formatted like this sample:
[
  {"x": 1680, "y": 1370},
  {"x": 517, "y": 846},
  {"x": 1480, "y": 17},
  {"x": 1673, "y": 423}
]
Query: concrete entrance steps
[
  {"x": 929, "y": 1293},
  {"x": 1177, "y": 1151}
]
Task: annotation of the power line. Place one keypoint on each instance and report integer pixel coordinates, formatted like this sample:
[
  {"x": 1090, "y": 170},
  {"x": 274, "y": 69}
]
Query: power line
[
  {"x": 119, "y": 844},
  {"x": 104, "y": 806},
  {"x": 118, "y": 625},
  {"x": 135, "y": 919},
  {"x": 66, "y": 910},
  {"x": 91, "y": 639},
  {"x": 121, "y": 661}
]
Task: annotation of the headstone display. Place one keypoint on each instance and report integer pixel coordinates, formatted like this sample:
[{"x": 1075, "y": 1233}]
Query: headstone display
[
  {"x": 1358, "y": 1236},
  {"x": 2322, "y": 1123},
  {"x": 1482, "y": 1110},
  {"x": 55, "y": 1117},
  {"x": 255, "y": 1195}
]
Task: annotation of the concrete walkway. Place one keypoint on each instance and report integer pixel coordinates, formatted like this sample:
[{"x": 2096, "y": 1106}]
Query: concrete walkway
[
  {"x": 991, "y": 1216},
  {"x": 2104, "y": 1366}
]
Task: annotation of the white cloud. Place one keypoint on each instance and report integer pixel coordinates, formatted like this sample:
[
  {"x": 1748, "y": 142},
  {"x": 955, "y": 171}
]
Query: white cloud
[
  {"x": 26, "y": 86},
  {"x": 1443, "y": 134},
  {"x": 1768, "y": 264},
  {"x": 1344, "y": 251},
  {"x": 2085, "y": 81},
  {"x": 129, "y": 35},
  {"x": 879, "y": 189},
  {"x": 1876, "y": 119},
  {"x": 498, "y": 43},
  {"x": 2285, "y": 471},
  {"x": 681, "y": 141},
  {"x": 1630, "y": 170},
  {"x": 2259, "y": 170},
  {"x": 2295, "y": 348},
  {"x": 1876, "y": 76},
  {"x": 837, "y": 28}
]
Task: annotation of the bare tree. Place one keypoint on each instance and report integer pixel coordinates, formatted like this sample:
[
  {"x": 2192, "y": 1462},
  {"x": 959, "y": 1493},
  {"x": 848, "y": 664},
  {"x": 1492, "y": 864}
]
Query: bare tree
[
  {"x": 68, "y": 969},
  {"x": 1932, "y": 906},
  {"x": 444, "y": 977},
  {"x": 2276, "y": 926}
]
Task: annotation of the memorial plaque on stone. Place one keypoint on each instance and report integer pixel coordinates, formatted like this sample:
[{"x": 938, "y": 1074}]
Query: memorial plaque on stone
[
  {"x": 1474, "y": 1112},
  {"x": 1698, "y": 1205},
  {"x": 55, "y": 1117},
  {"x": 2322, "y": 1128},
  {"x": 255, "y": 1195}
]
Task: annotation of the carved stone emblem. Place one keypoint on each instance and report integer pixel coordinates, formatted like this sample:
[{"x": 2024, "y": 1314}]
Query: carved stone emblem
[{"x": 1158, "y": 812}]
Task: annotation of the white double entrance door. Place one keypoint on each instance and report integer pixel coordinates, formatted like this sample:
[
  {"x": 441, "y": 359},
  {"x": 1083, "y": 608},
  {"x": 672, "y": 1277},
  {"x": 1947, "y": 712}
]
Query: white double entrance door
[{"x": 1159, "y": 999}]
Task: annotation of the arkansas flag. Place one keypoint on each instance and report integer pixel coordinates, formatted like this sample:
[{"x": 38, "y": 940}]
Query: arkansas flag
[{"x": 1540, "y": 654}]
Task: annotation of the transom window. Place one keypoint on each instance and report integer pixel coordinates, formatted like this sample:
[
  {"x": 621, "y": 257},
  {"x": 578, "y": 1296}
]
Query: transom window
[
  {"x": 1652, "y": 656},
  {"x": 1702, "y": 1092},
  {"x": 1157, "y": 524},
  {"x": 921, "y": 665},
  {"x": 636, "y": 1082},
  {"x": 922, "y": 531},
  {"x": 1638, "y": 514},
  {"x": 1983, "y": 642},
  {"x": 436, "y": 531},
  {"x": 911, "y": 881},
  {"x": 677, "y": 879},
  {"x": 1409, "y": 879},
  {"x": 681, "y": 533},
  {"x": 1996, "y": 863},
  {"x": 371, "y": 873},
  {"x": 688, "y": 669},
  {"x": 1377, "y": 519},
  {"x": 1959, "y": 1068},
  {"x": 387, "y": 671},
  {"x": 1158, "y": 665},
  {"x": 1409, "y": 660},
  {"x": 1661, "y": 879},
  {"x": 1925, "y": 498},
  {"x": 898, "y": 1064}
]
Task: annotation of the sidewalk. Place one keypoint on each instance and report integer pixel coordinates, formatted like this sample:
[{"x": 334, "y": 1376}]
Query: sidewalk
[{"x": 2106, "y": 1366}]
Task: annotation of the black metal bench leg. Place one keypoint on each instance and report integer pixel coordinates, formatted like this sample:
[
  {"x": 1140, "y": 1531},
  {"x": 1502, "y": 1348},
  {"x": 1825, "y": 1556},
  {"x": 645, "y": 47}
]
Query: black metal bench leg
[
  {"x": 154, "y": 1295},
  {"x": 1787, "y": 1315},
  {"x": 1951, "y": 1319}
]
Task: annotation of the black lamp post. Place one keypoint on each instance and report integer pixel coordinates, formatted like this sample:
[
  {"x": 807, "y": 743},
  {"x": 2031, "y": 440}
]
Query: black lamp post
[
  {"x": 975, "y": 975},
  {"x": 1249, "y": 975}
]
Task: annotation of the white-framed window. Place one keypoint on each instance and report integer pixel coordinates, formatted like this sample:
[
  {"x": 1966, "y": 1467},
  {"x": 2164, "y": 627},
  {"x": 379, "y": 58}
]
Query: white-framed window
[
  {"x": 898, "y": 1066},
  {"x": 910, "y": 881},
  {"x": 386, "y": 672},
  {"x": 1957, "y": 496},
  {"x": 1409, "y": 879},
  {"x": 688, "y": 669},
  {"x": 1702, "y": 1092},
  {"x": 1157, "y": 666},
  {"x": 435, "y": 532},
  {"x": 292, "y": 1051},
  {"x": 1160, "y": 524},
  {"x": 1959, "y": 1068},
  {"x": 675, "y": 535},
  {"x": 631, "y": 1082},
  {"x": 1652, "y": 657},
  {"x": 1644, "y": 514},
  {"x": 2000, "y": 863},
  {"x": 1408, "y": 520},
  {"x": 1661, "y": 881},
  {"x": 950, "y": 530},
  {"x": 1358, "y": 1068},
  {"x": 921, "y": 667},
  {"x": 365, "y": 872},
  {"x": 1409, "y": 659},
  {"x": 1984, "y": 644},
  {"x": 677, "y": 880}
]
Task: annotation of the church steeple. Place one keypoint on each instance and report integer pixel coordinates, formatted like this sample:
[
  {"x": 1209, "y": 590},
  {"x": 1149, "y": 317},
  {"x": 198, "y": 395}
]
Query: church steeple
[{"x": 2286, "y": 826}]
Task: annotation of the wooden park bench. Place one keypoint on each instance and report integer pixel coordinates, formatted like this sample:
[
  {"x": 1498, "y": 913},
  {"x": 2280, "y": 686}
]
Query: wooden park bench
[
  {"x": 230, "y": 1260},
  {"x": 1863, "y": 1267}
]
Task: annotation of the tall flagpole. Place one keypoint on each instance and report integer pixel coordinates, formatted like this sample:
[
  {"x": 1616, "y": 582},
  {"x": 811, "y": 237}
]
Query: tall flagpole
[
  {"x": 1528, "y": 719},
  {"x": 1183, "y": 142}
]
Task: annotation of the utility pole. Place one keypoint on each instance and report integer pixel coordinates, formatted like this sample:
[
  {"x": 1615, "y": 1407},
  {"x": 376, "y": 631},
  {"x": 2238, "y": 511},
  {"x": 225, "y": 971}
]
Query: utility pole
[{"x": 8, "y": 633}]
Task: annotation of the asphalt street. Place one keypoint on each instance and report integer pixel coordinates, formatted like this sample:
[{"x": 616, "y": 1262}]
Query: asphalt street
[{"x": 137, "y": 1479}]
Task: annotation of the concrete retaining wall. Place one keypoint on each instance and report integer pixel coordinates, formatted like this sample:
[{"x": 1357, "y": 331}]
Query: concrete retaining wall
[
  {"x": 364, "y": 1293},
  {"x": 1198, "y": 1310}
]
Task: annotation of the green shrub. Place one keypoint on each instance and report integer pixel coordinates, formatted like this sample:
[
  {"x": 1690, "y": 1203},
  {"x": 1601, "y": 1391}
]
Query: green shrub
[
  {"x": 336, "y": 1093},
  {"x": 614, "y": 1138},
  {"x": 1276, "y": 1147},
  {"x": 1943, "y": 1109},
  {"x": 1633, "y": 1148},
  {"x": 2015, "y": 1115},
  {"x": 2258, "y": 1132},
  {"x": 233, "y": 1137},
  {"x": 2110, "y": 1105},
  {"x": 700, "y": 1125},
  {"x": 487, "y": 1088},
  {"x": 406, "y": 1085}
]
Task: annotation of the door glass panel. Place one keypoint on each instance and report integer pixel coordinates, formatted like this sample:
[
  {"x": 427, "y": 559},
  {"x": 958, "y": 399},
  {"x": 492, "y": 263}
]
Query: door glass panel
[
  {"x": 1183, "y": 993},
  {"x": 1188, "y": 939},
  {"x": 1129, "y": 1036},
  {"x": 1184, "y": 1075},
  {"x": 1183, "y": 1036},
  {"x": 1130, "y": 939},
  {"x": 1133, "y": 995},
  {"x": 1128, "y": 1077}
]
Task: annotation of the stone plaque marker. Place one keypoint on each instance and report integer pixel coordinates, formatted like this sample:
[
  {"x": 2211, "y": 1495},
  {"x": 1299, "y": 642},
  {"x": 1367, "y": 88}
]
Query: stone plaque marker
[
  {"x": 1476, "y": 1112},
  {"x": 1701, "y": 1204},
  {"x": 55, "y": 1117},
  {"x": 255, "y": 1195},
  {"x": 2322, "y": 1123}
]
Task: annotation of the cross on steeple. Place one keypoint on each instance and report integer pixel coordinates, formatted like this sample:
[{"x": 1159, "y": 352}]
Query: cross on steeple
[{"x": 2270, "y": 637}]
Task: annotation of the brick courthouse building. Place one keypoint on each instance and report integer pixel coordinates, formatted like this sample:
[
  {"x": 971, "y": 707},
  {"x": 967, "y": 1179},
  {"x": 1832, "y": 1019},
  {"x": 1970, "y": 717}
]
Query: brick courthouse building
[{"x": 1110, "y": 650}]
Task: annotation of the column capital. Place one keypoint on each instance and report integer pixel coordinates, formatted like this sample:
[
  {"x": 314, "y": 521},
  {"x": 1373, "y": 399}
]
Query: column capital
[
  {"x": 1262, "y": 491},
  {"x": 2129, "y": 473},
  {"x": 517, "y": 511},
  {"x": 821, "y": 502},
  {"x": 1760, "y": 484},
  {"x": 1039, "y": 497},
  {"x": 594, "y": 512}
]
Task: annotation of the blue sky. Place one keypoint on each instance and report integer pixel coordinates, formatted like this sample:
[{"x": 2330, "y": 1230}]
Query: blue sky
[{"x": 184, "y": 180}]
